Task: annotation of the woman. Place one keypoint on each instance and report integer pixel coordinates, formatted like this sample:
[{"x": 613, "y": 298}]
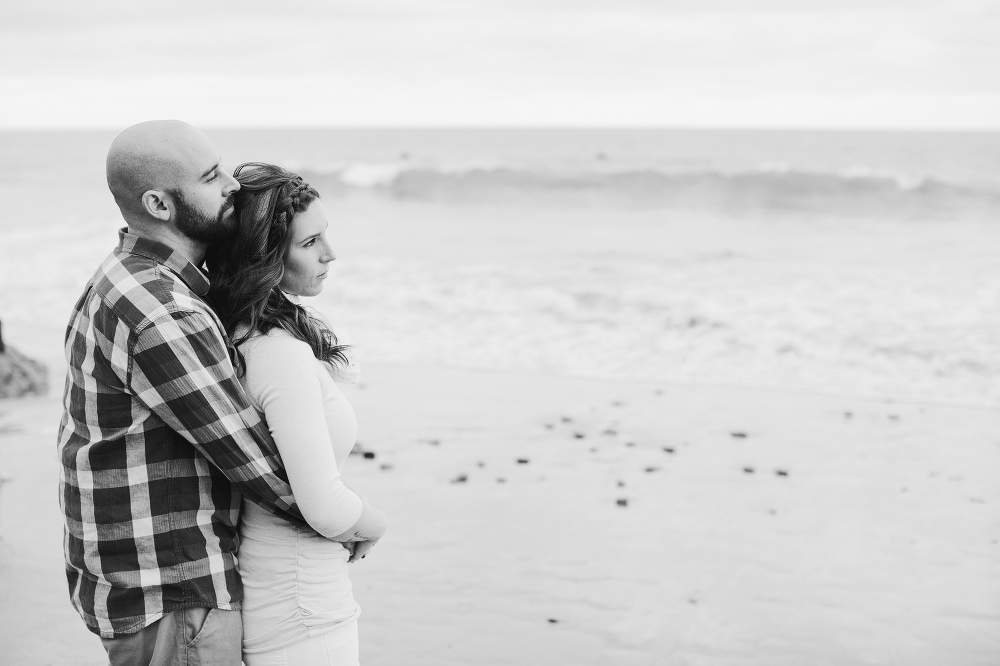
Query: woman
[{"x": 298, "y": 607}]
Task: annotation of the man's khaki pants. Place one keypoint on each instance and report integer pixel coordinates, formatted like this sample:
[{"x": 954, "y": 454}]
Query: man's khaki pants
[{"x": 185, "y": 637}]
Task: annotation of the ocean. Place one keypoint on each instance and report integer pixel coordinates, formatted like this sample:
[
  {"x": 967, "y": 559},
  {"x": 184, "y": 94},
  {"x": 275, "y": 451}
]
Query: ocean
[{"x": 861, "y": 263}]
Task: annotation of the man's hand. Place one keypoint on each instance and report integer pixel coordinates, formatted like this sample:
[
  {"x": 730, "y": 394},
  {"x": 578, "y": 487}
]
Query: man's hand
[{"x": 359, "y": 549}]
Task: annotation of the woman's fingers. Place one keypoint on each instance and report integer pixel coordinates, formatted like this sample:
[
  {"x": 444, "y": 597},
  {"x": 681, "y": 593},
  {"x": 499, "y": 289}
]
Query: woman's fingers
[{"x": 361, "y": 549}]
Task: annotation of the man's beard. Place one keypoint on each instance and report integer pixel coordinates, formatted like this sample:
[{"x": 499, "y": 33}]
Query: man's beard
[{"x": 203, "y": 228}]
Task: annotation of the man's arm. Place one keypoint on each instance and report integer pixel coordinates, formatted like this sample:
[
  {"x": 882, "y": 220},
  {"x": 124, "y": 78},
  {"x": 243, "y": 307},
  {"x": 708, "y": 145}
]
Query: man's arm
[{"x": 181, "y": 370}]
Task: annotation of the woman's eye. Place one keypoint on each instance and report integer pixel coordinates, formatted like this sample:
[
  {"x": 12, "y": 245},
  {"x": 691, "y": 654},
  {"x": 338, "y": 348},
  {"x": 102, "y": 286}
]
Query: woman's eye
[
  {"x": 309, "y": 243},
  {"x": 214, "y": 176}
]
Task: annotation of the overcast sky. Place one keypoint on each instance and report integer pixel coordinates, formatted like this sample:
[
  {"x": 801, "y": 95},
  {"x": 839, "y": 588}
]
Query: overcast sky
[{"x": 743, "y": 63}]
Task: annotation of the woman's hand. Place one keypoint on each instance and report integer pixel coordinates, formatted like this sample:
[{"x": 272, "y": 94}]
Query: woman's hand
[{"x": 359, "y": 549}]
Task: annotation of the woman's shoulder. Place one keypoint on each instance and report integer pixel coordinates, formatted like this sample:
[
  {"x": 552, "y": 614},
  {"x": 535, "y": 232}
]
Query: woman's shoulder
[
  {"x": 280, "y": 350},
  {"x": 276, "y": 343}
]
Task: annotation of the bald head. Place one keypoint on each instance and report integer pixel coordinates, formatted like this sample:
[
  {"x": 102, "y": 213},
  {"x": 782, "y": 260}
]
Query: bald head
[{"x": 159, "y": 155}]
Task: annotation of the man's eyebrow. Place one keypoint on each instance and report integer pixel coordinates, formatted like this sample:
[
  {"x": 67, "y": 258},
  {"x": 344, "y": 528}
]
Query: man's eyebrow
[{"x": 214, "y": 167}]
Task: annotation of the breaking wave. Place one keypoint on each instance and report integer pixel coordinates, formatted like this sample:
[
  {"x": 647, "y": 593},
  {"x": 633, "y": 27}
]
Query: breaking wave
[{"x": 767, "y": 188}]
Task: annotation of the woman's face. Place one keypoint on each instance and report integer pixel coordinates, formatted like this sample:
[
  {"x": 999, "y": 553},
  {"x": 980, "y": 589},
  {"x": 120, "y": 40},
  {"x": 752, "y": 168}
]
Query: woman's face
[{"x": 308, "y": 254}]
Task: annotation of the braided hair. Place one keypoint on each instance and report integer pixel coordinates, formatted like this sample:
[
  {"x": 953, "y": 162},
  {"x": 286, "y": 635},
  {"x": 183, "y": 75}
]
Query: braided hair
[{"x": 245, "y": 272}]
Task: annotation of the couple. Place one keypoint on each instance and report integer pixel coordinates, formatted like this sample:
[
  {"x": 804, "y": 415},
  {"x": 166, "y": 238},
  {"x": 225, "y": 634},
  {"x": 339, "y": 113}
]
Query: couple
[{"x": 202, "y": 416}]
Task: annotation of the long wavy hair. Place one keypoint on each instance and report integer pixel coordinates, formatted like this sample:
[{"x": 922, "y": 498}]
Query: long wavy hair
[{"x": 246, "y": 271}]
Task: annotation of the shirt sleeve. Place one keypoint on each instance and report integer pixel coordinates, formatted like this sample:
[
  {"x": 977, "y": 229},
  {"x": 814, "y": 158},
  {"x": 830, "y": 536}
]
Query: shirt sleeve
[
  {"x": 283, "y": 377},
  {"x": 181, "y": 371}
]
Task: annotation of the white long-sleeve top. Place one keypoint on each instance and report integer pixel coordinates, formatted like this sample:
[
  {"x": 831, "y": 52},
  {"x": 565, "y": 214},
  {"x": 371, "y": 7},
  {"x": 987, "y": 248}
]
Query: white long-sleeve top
[
  {"x": 295, "y": 580},
  {"x": 312, "y": 423}
]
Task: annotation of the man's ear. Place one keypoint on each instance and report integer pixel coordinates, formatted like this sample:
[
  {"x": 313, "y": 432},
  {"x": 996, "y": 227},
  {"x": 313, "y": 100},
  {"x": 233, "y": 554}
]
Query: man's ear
[{"x": 154, "y": 203}]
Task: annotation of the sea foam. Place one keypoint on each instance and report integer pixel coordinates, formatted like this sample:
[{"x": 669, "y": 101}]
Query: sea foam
[{"x": 767, "y": 188}]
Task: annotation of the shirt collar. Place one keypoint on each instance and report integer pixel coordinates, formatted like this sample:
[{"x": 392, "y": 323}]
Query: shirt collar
[{"x": 192, "y": 276}]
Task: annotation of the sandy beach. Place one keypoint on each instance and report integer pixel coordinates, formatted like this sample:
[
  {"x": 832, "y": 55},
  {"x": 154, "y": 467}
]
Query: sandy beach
[{"x": 555, "y": 520}]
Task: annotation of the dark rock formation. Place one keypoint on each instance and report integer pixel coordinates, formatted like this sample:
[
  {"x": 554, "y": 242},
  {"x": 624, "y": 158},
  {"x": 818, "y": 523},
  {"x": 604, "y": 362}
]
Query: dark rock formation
[{"x": 19, "y": 375}]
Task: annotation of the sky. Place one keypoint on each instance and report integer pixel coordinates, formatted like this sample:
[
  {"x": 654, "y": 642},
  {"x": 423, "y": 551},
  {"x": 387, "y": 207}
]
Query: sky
[{"x": 881, "y": 64}]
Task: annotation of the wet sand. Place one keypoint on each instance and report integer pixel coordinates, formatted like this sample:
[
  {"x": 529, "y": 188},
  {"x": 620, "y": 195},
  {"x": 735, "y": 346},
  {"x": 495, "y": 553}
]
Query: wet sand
[{"x": 554, "y": 520}]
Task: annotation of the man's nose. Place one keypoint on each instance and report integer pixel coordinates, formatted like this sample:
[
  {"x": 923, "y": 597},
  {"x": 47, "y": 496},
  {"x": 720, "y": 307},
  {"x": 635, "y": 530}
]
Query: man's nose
[{"x": 232, "y": 185}]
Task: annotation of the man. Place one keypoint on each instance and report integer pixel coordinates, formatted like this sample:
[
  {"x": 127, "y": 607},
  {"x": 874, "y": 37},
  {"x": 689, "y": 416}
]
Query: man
[{"x": 157, "y": 440}]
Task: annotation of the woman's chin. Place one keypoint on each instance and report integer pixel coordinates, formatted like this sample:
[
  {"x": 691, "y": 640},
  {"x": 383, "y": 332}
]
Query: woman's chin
[{"x": 304, "y": 293}]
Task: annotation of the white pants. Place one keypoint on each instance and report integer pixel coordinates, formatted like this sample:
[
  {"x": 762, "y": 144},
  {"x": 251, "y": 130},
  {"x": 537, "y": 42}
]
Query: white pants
[{"x": 338, "y": 647}]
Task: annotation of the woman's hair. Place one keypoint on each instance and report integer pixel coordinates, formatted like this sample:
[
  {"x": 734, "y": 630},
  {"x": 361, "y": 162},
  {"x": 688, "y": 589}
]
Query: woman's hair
[{"x": 245, "y": 272}]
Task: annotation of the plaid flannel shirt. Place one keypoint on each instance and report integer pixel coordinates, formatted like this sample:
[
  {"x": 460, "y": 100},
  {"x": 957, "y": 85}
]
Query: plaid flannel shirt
[{"x": 157, "y": 444}]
